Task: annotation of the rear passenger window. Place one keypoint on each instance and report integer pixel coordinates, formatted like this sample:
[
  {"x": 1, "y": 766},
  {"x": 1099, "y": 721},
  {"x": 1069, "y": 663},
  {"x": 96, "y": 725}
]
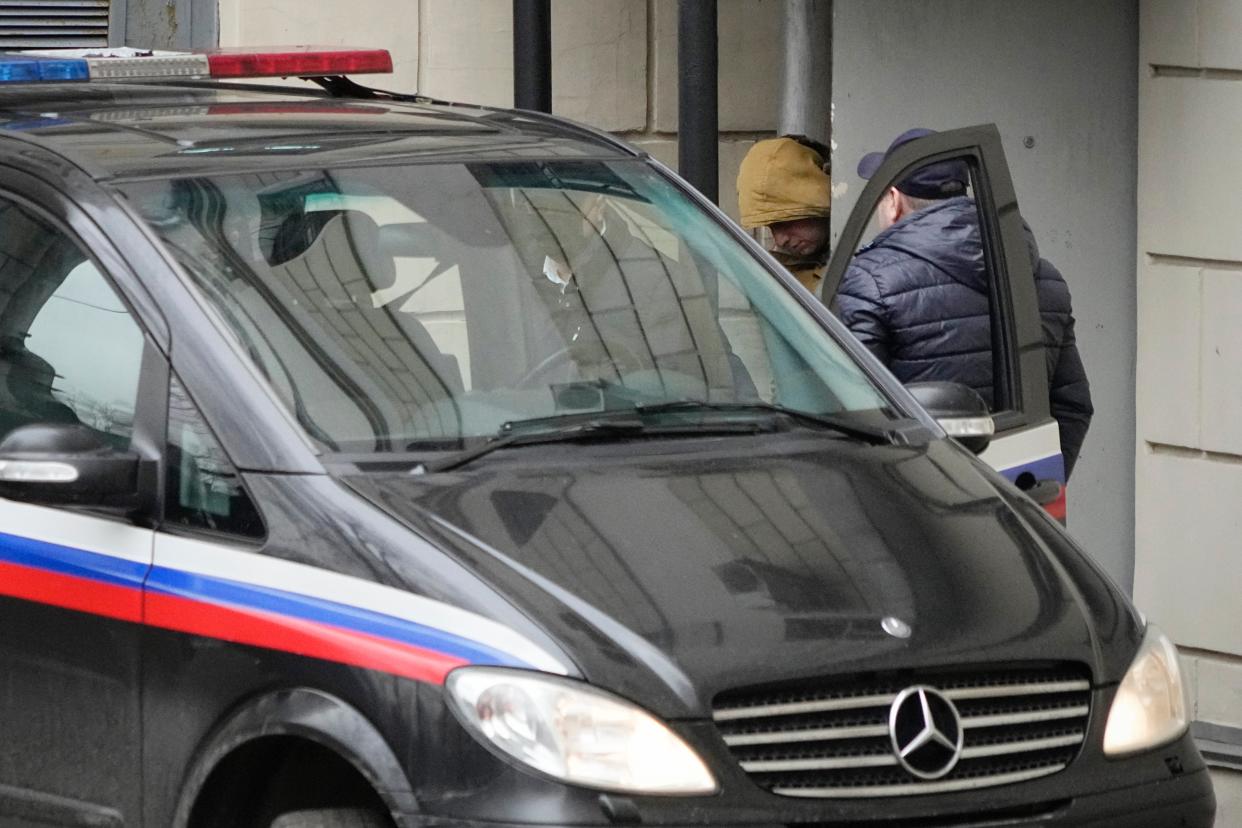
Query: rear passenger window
[
  {"x": 204, "y": 490},
  {"x": 69, "y": 350}
]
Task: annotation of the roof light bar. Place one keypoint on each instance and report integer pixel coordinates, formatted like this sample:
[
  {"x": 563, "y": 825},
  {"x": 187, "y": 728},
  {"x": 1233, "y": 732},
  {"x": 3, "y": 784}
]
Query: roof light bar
[
  {"x": 35, "y": 66},
  {"x": 234, "y": 63}
]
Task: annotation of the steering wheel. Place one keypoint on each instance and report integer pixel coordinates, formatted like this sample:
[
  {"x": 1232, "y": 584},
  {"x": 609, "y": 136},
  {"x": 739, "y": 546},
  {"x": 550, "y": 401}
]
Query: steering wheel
[
  {"x": 620, "y": 356},
  {"x": 556, "y": 359}
]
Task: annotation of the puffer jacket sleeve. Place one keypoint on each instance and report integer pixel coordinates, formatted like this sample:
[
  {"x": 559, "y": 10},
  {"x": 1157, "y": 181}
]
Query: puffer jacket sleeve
[
  {"x": 1070, "y": 397},
  {"x": 1069, "y": 391},
  {"x": 860, "y": 305}
]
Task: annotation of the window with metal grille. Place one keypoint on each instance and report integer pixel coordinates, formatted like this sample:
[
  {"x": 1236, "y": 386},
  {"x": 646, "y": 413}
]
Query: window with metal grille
[{"x": 34, "y": 24}]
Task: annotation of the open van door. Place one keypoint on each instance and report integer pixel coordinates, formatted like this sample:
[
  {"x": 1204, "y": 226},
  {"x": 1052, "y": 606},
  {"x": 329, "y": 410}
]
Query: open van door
[{"x": 1026, "y": 447}]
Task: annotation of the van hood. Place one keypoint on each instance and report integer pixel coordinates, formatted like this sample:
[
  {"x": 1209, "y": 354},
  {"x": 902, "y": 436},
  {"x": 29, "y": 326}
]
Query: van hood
[{"x": 673, "y": 570}]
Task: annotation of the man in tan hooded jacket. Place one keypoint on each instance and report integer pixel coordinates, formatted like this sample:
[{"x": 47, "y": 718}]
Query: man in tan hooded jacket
[{"x": 782, "y": 185}]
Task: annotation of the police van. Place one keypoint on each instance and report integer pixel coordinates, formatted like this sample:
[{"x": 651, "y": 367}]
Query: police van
[{"x": 368, "y": 460}]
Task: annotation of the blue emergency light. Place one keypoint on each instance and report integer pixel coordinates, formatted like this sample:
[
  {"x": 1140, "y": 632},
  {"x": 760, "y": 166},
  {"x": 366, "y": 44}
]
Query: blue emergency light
[{"x": 18, "y": 68}]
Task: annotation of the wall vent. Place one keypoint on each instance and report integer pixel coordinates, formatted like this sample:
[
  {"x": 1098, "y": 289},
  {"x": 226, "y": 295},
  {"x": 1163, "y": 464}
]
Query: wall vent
[{"x": 36, "y": 24}]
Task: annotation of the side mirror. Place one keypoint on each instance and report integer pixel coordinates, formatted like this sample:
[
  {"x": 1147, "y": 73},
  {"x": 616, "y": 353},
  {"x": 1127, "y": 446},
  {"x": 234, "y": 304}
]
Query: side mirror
[
  {"x": 960, "y": 411},
  {"x": 59, "y": 464}
]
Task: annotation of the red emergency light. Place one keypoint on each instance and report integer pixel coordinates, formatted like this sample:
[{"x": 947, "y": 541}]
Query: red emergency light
[{"x": 242, "y": 63}]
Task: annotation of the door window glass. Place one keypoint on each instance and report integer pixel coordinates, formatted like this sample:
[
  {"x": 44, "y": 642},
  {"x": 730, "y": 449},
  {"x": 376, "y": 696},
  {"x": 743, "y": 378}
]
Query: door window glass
[
  {"x": 204, "y": 489},
  {"x": 69, "y": 350}
]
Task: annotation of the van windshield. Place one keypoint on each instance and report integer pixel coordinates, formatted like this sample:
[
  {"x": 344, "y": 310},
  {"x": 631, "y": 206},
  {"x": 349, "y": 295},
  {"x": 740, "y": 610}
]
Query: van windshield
[{"x": 399, "y": 307}]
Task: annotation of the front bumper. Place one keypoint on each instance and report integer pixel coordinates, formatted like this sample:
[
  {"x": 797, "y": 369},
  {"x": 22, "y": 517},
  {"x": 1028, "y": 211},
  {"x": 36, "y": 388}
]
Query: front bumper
[{"x": 1183, "y": 801}]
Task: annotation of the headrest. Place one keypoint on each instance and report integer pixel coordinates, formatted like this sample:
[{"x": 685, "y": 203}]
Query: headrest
[{"x": 301, "y": 230}]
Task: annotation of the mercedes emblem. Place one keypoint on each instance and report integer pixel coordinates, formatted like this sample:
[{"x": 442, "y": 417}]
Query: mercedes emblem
[{"x": 926, "y": 732}]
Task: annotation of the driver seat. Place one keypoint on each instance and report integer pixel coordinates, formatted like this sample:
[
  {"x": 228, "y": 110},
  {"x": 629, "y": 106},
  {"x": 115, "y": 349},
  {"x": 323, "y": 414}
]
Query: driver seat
[{"x": 333, "y": 278}]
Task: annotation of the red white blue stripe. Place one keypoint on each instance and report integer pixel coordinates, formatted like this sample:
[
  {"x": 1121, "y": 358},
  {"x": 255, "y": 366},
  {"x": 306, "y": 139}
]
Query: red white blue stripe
[
  {"x": 1031, "y": 457},
  {"x": 232, "y": 594},
  {"x": 1036, "y": 450},
  {"x": 1041, "y": 468}
]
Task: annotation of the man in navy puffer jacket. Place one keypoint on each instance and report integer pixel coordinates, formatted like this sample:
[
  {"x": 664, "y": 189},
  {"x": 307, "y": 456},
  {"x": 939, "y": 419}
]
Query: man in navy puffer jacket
[{"x": 917, "y": 296}]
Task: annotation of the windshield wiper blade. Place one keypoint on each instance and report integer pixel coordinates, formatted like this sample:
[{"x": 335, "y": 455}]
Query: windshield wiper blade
[
  {"x": 631, "y": 422},
  {"x": 586, "y": 429},
  {"x": 621, "y": 423},
  {"x": 849, "y": 427}
]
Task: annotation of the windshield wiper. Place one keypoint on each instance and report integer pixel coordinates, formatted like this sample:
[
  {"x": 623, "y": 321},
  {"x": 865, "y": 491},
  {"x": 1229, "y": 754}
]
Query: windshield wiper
[
  {"x": 848, "y": 426},
  {"x": 568, "y": 428},
  {"x": 631, "y": 422}
]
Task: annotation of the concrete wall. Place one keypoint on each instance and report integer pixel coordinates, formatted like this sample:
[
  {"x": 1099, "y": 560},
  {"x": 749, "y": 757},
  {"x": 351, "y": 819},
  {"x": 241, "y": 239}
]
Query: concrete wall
[
  {"x": 614, "y": 61},
  {"x": 166, "y": 24},
  {"x": 1189, "y": 446},
  {"x": 1060, "y": 72}
]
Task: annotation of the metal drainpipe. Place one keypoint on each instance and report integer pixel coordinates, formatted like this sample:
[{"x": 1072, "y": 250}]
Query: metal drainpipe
[
  {"x": 806, "y": 99},
  {"x": 697, "y": 118},
  {"x": 532, "y": 54}
]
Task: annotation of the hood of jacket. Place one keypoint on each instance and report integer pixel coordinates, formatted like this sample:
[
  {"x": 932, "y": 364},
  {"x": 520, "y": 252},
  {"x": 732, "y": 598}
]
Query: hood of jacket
[{"x": 782, "y": 180}]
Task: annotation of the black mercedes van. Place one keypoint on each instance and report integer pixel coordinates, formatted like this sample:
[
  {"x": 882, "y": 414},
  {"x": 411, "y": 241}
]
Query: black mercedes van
[{"x": 367, "y": 460}]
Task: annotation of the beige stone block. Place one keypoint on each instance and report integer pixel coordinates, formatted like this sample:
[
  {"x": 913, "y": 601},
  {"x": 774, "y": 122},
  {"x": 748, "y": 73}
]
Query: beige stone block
[
  {"x": 730, "y": 154},
  {"x": 599, "y": 62},
  {"x": 1168, "y": 32},
  {"x": 750, "y": 56},
  {"x": 476, "y": 85},
  {"x": 1220, "y": 360},
  {"x": 1189, "y": 194},
  {"x": 1186, "y": 573},
  {"x": 663, "y": 150},
  {"x": 1169, "y": 345},
  {"x": 1218, "y": 691},
  {"x": 364, "y": 23},
  {"x": 663, "y": 59},
  {"x": 1220, "y": 32},
  {"x": 467, "y": 51},
  {"x": 599, "y": 57}
]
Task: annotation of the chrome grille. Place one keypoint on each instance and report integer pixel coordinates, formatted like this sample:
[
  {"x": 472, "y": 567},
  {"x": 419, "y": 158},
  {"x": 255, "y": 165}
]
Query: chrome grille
[
  {"x": 42, "y": 24},
  {"x": 833, "y": 740}
]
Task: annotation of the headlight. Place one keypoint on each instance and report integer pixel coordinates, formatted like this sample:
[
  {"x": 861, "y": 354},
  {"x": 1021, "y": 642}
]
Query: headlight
[
  {"x": 1150, "y": 706},
  {"x": 576, "y": 733}
]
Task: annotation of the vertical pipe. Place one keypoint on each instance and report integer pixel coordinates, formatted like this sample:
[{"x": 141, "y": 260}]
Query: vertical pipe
[
  {"x": 532, "y": 54},
  {"x": 204, "y": 24},
  {"x": 806, "y": 99},
  {"x": 698, "y": 118}
]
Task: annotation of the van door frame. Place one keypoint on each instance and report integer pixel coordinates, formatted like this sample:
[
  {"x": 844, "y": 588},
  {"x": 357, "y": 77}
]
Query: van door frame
[{"x": 1019, "y": 362}]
